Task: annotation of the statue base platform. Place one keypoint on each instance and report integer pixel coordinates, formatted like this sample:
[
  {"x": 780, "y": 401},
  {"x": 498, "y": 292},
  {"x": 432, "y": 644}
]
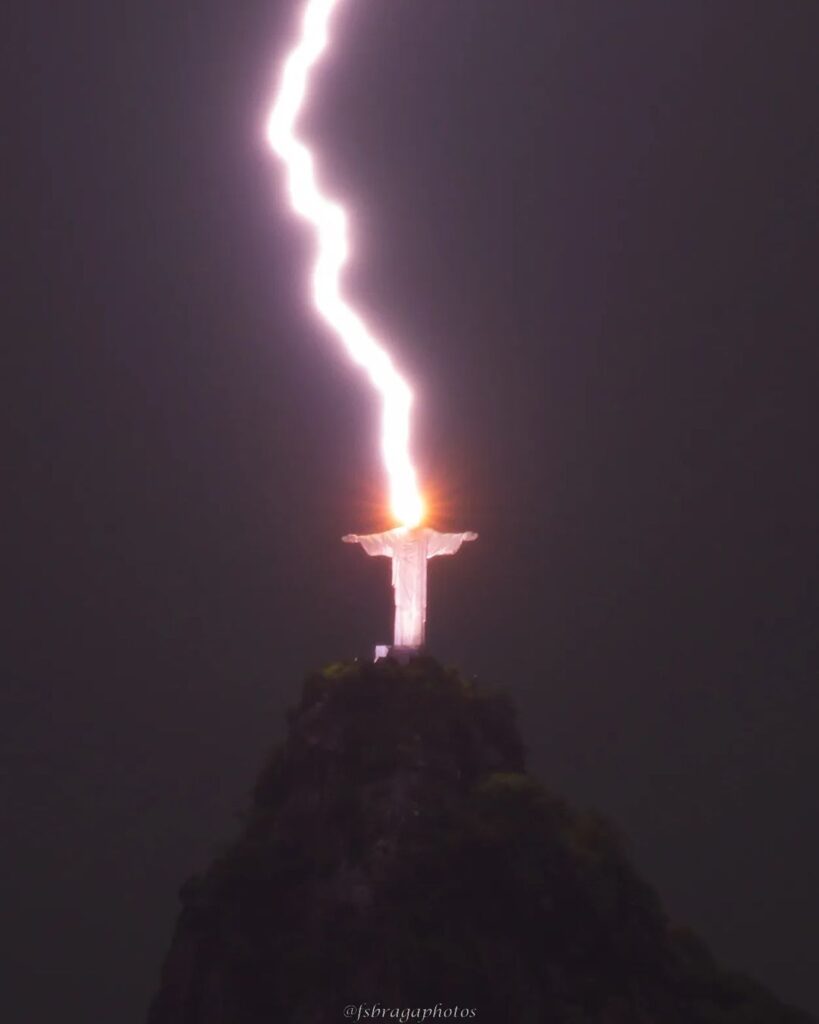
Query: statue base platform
[{"x": 401, "y": 654}]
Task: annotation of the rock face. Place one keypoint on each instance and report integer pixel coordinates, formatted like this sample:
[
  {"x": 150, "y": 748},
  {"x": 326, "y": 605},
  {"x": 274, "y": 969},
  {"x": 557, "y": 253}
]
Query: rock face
[{"x": 396, "y": 852}]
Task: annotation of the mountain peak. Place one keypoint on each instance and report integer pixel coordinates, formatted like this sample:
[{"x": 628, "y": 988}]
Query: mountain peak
[{"x": 396, "y": 852}]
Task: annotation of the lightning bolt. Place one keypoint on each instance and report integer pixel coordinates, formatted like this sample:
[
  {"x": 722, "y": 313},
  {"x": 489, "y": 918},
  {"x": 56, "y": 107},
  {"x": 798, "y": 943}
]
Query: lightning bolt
[{"x": 329, "y": 222}]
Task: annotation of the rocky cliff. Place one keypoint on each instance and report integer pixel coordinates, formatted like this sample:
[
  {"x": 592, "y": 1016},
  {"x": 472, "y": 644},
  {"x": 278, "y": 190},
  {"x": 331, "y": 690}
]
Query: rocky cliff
[{"x": 397, "y": 853}]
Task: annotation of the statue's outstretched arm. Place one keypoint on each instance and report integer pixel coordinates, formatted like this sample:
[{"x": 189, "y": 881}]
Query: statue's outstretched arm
[
  {"x": 373, "y": 543},
  {"x": 448, "y": 543}
]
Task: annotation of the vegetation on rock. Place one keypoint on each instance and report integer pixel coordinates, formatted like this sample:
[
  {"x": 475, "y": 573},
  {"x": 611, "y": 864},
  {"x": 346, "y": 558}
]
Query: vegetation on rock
[{"x": 396, "y": 851}]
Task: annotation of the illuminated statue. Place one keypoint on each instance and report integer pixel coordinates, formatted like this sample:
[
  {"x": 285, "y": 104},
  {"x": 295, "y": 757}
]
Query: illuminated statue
[{"x": 409, "y": 549}]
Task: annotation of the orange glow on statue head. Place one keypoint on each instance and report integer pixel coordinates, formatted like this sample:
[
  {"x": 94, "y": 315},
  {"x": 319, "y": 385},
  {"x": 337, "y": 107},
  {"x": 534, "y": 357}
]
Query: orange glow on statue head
[{"x": 408, "y": 507}]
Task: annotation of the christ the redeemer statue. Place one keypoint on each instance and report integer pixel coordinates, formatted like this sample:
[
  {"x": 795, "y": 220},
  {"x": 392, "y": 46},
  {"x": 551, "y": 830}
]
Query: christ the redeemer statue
[{"x": 409, "y": 549}]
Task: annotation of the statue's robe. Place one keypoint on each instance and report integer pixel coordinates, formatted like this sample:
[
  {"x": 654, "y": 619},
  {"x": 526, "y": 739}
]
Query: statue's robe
[{"x": 409, "y": 550}]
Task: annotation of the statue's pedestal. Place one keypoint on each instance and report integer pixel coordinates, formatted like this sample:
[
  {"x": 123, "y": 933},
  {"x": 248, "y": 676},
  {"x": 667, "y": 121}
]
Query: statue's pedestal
[{"x": 401, "y": 654}]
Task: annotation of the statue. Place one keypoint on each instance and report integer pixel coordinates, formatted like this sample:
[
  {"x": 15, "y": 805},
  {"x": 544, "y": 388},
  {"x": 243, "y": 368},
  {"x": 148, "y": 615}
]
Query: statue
[{"x": 409, "y": 548}]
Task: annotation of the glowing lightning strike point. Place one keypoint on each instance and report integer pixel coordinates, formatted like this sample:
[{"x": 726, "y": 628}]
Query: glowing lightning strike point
[{"x": 330, "y": 223}]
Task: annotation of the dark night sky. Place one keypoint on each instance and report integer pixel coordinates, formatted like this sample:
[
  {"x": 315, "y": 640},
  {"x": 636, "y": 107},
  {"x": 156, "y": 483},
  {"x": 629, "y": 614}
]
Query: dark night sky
[{"x": 590, "y": 230}]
